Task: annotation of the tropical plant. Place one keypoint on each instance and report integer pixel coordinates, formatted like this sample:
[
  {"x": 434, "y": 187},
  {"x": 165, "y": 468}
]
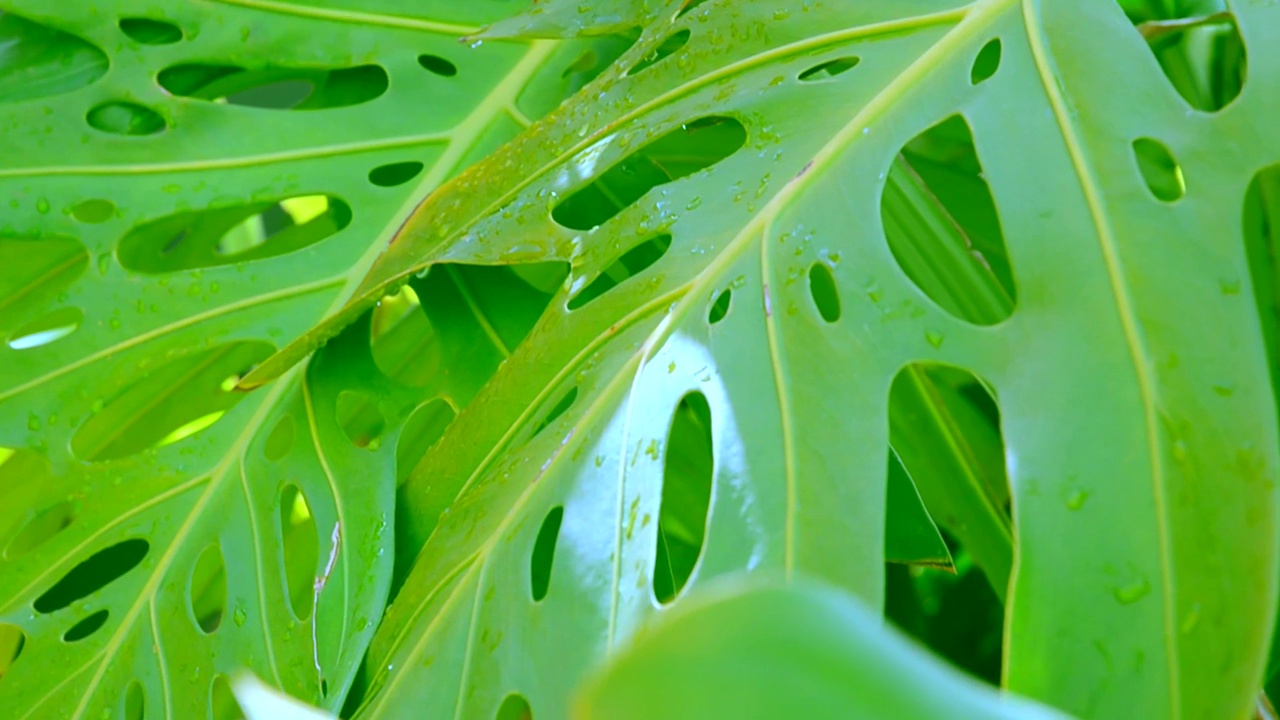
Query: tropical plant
[{"x": 634, "y": 356}]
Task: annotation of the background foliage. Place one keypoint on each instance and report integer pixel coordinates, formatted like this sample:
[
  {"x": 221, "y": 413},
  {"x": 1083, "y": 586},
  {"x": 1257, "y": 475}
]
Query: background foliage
[{"x": 796, "y": 288}]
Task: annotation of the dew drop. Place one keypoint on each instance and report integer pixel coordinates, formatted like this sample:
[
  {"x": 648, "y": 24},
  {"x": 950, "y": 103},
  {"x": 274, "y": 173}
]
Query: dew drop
[
  {"x": 934, "y": 337},
  {"x": 1131, "y": 593}
]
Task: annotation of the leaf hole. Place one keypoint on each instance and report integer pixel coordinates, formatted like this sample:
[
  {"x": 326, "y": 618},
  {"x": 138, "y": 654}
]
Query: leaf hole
[
  {"x": 987, "y": 62},
  {"x": 544, "y": 554},
  {"x": 686, "y": 498},
  {"x": 823, "y": 290},
  {"x": 1160, "y": 170},
  {"x": 300, "y": 549},
  {"x": 92, "y": 574},
  {"x": 168, "y": 403},
  {"x": 560, "y": 408},
  {"x": 944, "y": 425},
  {"x": 693, "y": 147},
  {"x": 942, "y": 227},
  {"x": 720, "y": 308},
  {"x": 280, "y": 441},
  {"x": 1199, "y": 48},
  {"x": 94, "y": 211},
  {"x": 421, "y": 432},
  {"x": 43, "y": 62},
  {"x": 393, "y": 174},
  {"x": 207, "y": 592},
  {"x": 1262, "y": 250},
  {"x": 135, "y": 701},
  {"x": 47, "y": 330},
  {"x": 277, "y": 88},
  {"x": 829, "y": 69},
  {"x": 514, "y": 707},
  {"x": 222, "y": 701},
  {"x": 360, "y": 418},
  {"x": 222, "y": 236},
  {"x": 12, "y": 640},
  {"x": 41, "y": 528},
  {"x": 665, "y": 49},
  {"x": 150, "y": 32},
  {"x": 437, "y": 65},
  {"x": 86, "y": 627},
  {"x": 633, "y": 262},
  {"x": 125, "y": 118}
]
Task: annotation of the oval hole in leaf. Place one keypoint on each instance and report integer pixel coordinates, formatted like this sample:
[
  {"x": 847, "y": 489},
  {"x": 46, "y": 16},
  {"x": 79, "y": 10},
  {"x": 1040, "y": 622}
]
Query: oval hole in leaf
[
  {"x": 360, "y": 419},
  {"x": 150, "y": 32},
  {"x": 276, "y": 88},
  {"x": 300, "y": 549},
  {"x": 403, "y": 340},
  {"x": 944, "y": 426},
  {"x": 41, "y": 528},
  {"x": 437, "y": 65},
  {"x": 12, "y": 640},
  {"x": 987, "y": 62},
  {"x": 681, "y": 152},
  {"x": 93, "y": 211},
  {"x": 280, "y": 441},
  {"x": 669, "y": 45},
  {"x": 421, "y": 431},
  {"x": 393, "y": 174},
  {"x": 686, "y": 497},
  {"x": 942, "y": 226},
  {"x": 560, "y": 408},
  {"x": 514, "y": 707},
  {"x": 1261, "y": 240},
  {"x": 42, "y": 62},
  {"x": 585, "y": 63},
  {"x": 94, "y": 573},
  {"x": 829, "y": 69},
  {"x": 222, "y": 236},
  {"x": 1160, "y": 170},
  {"x": 33, "y": 272},
  {"x": 633, "y": 262},
  {"x": 49, "y": 329},
  {"x": 135, "y": 701},
  {"x": 168, "y": 403},
  {"x": 208, "y": 589},
  {"x": 86, "y": 627},
  {"x": 544, "y": 554},
  {"x": 125, "y": 118},
  {"x": 823, "y": 290},
  {"x": 222, "y": 701},
  {"x": 1201, "y": 52},
  {"x": 720, "y": 308}
]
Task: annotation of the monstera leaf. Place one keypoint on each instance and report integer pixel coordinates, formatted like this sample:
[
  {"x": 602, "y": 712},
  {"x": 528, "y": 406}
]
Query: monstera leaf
[
  {"x": 189, "y": 186},
  {"x": 748, "y": 205}
]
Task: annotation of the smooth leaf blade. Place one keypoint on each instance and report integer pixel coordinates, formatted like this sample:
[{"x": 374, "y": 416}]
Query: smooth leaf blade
[{"x": 762, "y": 650}]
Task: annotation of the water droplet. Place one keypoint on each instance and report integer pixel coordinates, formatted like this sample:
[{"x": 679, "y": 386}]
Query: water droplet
[
  {"x": 934, "y": 337},
  {"x": 1190, "y": 620},
  {"x": 239, "y": 616},
  {"x": 104, "y": 263},
  {"x": 1075, "y": 498},
  {"x": 1224, "y": 390},
  {"x": 33, "y": 422},
  {"x": 1180, "y": 451},
  {"x": 1229, "y": 287},
  {"x": 42, "y": 206},
  {"x": 1132, "y": 592}
]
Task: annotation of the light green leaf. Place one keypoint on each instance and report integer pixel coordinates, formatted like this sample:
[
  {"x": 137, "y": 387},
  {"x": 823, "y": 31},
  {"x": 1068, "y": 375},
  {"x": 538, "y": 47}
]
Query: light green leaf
[
  {"x": 769, "y": 650},
  {"x": 1129, "y": 372},
  {"x": 190, "y": 186}
]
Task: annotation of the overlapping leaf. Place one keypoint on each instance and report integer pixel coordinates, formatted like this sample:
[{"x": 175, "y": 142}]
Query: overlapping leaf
[
  {"x": 1140, "y": 436},
  {"x": 189, "y": 186}
]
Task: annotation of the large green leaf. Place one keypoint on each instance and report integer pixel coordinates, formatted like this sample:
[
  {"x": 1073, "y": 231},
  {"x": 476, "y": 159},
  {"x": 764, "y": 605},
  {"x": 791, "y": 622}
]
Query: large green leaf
[
  {"x": 1140, "y": 435},
  {"x": 769, "y": 650},
  {"x": 189, "y": 186}
]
